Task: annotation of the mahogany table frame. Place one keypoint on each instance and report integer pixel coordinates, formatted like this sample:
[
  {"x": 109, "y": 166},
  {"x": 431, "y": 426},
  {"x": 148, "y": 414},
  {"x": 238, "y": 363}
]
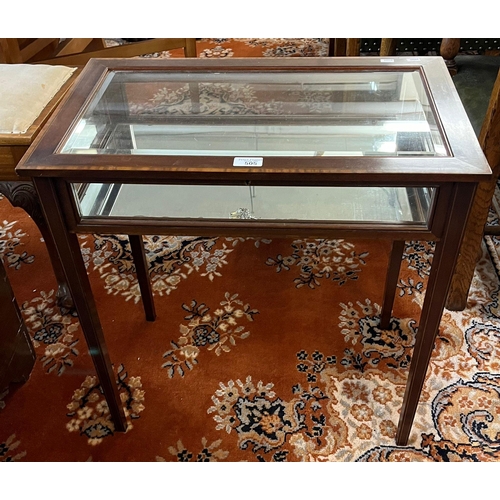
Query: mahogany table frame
[{"x": 455, "y": 177}]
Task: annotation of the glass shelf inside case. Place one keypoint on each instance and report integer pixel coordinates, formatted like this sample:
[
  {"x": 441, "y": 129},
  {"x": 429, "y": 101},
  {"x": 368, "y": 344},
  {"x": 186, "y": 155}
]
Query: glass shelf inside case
[{"x": 391, "y": 205}]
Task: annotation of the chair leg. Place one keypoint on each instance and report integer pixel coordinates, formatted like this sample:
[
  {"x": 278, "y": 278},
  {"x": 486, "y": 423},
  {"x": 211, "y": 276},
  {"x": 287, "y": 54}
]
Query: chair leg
[
  {"x": 337, "y": 47},
  {"x": 489, "y": 138},
  {"x": 391, "y": 283},
  {"x": 190, "y": 48},
  {"x": 448, "y": 50},
  {"x": 141, "y": 267},
  {"x": 353, "y": 47},
  {"x": 388, "y": 46},
  {"x": 470, "y": 249}
]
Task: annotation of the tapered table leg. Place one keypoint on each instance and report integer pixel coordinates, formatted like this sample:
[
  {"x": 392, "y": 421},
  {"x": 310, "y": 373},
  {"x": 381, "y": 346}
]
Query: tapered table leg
[
  {"x": 141, "y": 268},
  {"x": 391, "y": 283},
  {"x": 443, "y": 264},
  {"x": 71, "y": 259}
]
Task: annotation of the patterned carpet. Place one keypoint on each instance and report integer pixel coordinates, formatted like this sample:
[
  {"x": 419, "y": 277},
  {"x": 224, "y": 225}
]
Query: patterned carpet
[{"x": 263, "y": 350}]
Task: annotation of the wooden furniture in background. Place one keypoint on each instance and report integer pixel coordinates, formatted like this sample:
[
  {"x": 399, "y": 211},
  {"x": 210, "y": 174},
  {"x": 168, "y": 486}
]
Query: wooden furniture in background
[
  {"x": 20, "y": 190},
  {"x": 17, "y": 355},
  {"x": 388, "y": 47},
  {"x": 78, "y": 51},
  {"x": 339, "y": 47},
  {"x": 23, "y": 50},
  {"x": 470, "y": 250},
  {"x": 448, "y": 50}
]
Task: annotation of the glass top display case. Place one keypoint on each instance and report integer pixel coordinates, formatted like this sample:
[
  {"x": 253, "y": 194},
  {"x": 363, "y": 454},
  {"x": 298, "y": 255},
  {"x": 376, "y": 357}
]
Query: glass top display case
[
  {"x": 310, "y": 147},
  {"x": 250, "y": 116}
]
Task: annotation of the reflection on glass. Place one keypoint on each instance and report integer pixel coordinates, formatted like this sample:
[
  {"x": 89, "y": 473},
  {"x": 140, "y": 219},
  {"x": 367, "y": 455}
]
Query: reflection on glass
[
  {"x": 398, "y": 205},
  {"x": 262, "y": 113}
]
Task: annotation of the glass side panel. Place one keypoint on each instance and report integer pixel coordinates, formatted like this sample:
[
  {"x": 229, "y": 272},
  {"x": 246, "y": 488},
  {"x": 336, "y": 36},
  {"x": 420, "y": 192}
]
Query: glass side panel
[
  {"x": 394, "y": 205},
  {"x": 261, "y": 114}
]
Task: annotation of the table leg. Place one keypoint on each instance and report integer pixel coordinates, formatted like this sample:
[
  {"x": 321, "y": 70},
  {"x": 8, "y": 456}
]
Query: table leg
[
  {"x": 79, "y": 285},
  {"x": 391, "y": 283},
  {"x": 443, "y": 265},
  {"x": 23, "y": 195},
  {"x": 141, "y": 269}
]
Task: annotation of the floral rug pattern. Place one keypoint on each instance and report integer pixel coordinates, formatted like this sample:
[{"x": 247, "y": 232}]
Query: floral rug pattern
[
  {"x": 11, "y": 245},
  {"x": 217, "y": 331},
  {"x": 338, "y": 403},
  {"x": 89, "y": 410},
  {"x": 52, "y": 331}
]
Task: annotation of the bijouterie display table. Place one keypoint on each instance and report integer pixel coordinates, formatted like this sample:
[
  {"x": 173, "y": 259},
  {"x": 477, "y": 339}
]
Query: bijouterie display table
[{"x": 292, "y": 147}]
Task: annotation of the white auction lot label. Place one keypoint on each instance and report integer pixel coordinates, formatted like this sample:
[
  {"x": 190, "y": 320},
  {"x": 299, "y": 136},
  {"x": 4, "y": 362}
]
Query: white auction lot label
[{"x": 247, "y": 162}]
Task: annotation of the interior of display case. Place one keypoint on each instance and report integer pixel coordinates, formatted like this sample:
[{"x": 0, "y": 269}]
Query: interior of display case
[{"x": 354, "y": 204}]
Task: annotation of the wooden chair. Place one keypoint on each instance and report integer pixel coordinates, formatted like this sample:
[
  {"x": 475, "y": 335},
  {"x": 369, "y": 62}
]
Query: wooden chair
[
  {"x": 470, "y": 250},
  {"x": 448, "y": 50},
  {"x": 78, "y": 51},
  {"x": 348, "y": 47}
]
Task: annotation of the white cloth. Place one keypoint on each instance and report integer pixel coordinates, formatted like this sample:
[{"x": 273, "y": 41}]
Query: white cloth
[{"x": 25, "y": 90}]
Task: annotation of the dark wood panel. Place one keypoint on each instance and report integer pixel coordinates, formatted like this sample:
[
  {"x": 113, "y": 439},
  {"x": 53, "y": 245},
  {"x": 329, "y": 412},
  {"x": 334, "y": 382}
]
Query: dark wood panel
[
  {"x": 9, "y": 158},
  {"x": 17, "y": 355}
]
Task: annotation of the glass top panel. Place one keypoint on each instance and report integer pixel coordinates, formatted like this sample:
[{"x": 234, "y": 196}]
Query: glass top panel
[{"x": 259, "y": 114}]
